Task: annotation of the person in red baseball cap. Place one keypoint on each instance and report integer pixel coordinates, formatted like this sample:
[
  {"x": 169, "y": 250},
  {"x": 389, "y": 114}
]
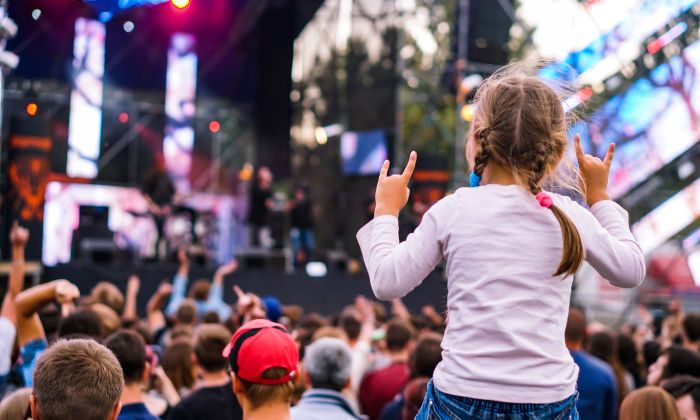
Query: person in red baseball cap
[{"x": 264, "y": 364}]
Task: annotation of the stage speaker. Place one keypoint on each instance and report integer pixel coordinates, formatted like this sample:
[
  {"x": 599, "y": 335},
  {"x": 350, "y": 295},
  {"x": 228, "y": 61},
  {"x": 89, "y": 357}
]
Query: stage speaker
[
  {"x": 489, "y": 31},
  {"x": 92, "y": 240}
]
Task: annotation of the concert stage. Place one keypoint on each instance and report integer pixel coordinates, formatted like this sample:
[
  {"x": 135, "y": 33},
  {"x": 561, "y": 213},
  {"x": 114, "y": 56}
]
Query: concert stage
[{"x": 326, "y": 295}]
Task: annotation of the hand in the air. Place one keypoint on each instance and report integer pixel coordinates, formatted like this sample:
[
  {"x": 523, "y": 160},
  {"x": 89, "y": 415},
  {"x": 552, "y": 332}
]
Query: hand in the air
[
  {"x": 595, "y": 172},
  {"x": 228, "y": 268},
  {"x": 18, "y": 236},
  {"x": 133, "y": 284},
  {"x": 66, "y": 291},
  {"x": 392, "y": 191}
]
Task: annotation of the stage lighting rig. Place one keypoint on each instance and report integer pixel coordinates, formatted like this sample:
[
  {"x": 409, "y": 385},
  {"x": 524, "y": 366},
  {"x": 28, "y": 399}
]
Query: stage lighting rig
[
  {"x": 8, "y": 61},
  {"x": 180, "y": 4},
  {"x": 8, "y": 28}
]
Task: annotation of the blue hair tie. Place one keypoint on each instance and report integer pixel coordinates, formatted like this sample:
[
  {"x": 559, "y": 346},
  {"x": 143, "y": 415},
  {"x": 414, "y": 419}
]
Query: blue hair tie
[{"x": 474, "y": 179}]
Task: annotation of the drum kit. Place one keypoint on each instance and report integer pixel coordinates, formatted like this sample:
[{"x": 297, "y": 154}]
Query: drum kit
[{"x": 187, "y": 227}]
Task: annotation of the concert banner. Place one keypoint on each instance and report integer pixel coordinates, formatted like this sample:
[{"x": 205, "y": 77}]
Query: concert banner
[{"x": 28, "y": 171}]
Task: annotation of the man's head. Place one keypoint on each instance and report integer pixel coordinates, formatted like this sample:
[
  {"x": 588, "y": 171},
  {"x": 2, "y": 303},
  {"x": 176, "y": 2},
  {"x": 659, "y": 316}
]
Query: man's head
[
  {"x": 426, "y": 355},
  {"x": 263, "y": 359},
  {"x": 327, "y": 363},
  {"x": 399, "y": 335},
  {"x": 209, "y": 343},
  {"x": 673, "y": 362},
  {"x": 77, "y": 379},
  {"x": 686, "y": 391},
  {"x": 350, "y": 323},
  {"x": 200, "y": 290},
  {"x": 691, "y": 330},
  {"x": 108, "y": 294},
  {"x": 186, "y": 313},
  {"x": 130, "y": 349},
  {"x": 83, "y": 323},
  {"x": 575, "y": 332}
]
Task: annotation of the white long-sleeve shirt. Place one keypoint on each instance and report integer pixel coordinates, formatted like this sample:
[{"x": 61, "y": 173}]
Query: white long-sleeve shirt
[{"x": 507, "y": 312}]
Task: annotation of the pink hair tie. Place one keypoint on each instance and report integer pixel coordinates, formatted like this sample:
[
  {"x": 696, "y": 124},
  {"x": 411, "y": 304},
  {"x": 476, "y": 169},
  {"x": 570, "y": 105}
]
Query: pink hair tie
[{"x": 544, "y": 199}]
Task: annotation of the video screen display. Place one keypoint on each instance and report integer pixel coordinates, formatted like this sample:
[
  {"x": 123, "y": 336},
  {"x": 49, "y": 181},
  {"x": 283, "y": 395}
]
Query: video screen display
[
  {"x": 605, "y": 56},
  {"x": 671, "y": 217},
  {"x": 363, "y": 152},
  {"x": 85, "y": 121},
  {"x": 62, "y": 217},
  {"x": 651, "y": 123},
  {"x": 131, "y": 226},
  {"x": 180, "y": 91}
]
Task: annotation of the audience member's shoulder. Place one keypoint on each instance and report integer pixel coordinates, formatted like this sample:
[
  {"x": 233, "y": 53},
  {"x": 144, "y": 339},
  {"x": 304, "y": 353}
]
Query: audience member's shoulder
[{"x": 595, "y": 364}]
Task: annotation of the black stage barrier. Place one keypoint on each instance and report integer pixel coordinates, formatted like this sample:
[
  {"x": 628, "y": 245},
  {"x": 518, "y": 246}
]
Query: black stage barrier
[{"x": 326, "y": 295}]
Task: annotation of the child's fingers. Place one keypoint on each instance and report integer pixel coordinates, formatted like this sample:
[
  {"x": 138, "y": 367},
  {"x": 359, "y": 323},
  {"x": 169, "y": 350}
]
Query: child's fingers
[
  {"x": 410, "y": 167},
  {"x": 238, "y": 291},
  {"x": 580, "y": 155},
  {"x": 385, "y": 170},
  {"x": 609, "y": 156}
]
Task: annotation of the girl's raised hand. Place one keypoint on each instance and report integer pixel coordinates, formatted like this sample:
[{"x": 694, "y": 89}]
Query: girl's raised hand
[
  {"x": 595, "y": 172},
  {"x": 392, "y": 191}
]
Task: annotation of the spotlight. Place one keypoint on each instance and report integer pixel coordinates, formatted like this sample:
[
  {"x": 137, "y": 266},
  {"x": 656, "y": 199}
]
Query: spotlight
[
  {"x": 32, "y": 109},
  {"x": 316, "y": 269},
  {"x": 214, "y": 126},
  {"x": 8, "y": 61},
  {"x": 123, "y": 118},
  {"x": 36, "y": 14},
  {"x": 180, "y": 4},
  {"x": 321, "y": 135},
  {"x": 8, "y": 28},
  {"x": 467, "y": 112},
  {"x": 128, "y": 26}
]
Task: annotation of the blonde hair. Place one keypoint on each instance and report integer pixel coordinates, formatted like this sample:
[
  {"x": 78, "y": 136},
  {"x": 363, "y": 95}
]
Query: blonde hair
[
  {"x": 108, "y": 318},
  {"x": 16, "y": 405},
  {"x": 520, "y": 124},
  {"x": 259, "y": 394},
  {"x": 108, "y": 294},
  {"x": 649, "y": 403}
]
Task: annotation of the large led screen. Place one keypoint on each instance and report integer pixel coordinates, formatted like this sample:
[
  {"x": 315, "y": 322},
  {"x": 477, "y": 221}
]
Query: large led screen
[
  {"x": 181, "y": 86},
  {"x": 85, "y": 121},
  {"x": 651, "y": 123}
]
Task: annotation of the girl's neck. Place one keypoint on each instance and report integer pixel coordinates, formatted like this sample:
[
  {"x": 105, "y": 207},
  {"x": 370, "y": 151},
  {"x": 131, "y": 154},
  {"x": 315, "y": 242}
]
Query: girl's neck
[{"x": 495, "y": 174}]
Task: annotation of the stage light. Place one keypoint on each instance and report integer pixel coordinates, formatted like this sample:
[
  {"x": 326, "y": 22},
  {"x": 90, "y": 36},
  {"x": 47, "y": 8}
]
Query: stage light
[
  {"x": 666, "y": 38},
  {"x": 128, "y": 26},
  {"x": 246, "y": 173},
  {"x": 180, "y": 4},
  {"x": 36, "y": 14},
  {"x": 467, "y": 112},
  {"x": 321, "y": 135},
  {"x": 32, "y": 109},
  {"x": 123, "y": 118},
  {"x": 316, "y": 269},
  {"x": 214, "y": 126}
]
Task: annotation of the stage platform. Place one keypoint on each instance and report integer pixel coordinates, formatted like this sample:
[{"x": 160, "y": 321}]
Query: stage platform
[{"x": 325, "y": 295}]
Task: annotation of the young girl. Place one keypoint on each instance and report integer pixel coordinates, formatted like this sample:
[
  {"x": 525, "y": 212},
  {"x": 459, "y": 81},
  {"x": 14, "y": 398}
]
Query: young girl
[{"x": 511, "y": 252}]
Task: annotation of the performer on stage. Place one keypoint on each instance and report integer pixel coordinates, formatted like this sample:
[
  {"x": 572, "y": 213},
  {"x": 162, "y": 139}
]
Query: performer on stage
[
  {"x": 302, "y": 226},
  {"x": 260, "y": 206},
  {"x": 158, "y": 191}
]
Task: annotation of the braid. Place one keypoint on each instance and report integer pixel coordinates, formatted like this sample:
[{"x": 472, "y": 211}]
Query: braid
[
  {"x": 538, "y": 166},
  {"x": 482, "y": 155}
]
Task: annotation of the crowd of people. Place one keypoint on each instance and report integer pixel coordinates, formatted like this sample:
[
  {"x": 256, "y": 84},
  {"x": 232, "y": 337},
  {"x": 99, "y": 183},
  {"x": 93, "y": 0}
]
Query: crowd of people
[{"x": 67, "y": 355}]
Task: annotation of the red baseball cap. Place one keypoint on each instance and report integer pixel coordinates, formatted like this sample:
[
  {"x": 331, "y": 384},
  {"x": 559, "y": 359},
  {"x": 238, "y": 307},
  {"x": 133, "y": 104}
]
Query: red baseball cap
[{"x": 260, "y": 345}]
